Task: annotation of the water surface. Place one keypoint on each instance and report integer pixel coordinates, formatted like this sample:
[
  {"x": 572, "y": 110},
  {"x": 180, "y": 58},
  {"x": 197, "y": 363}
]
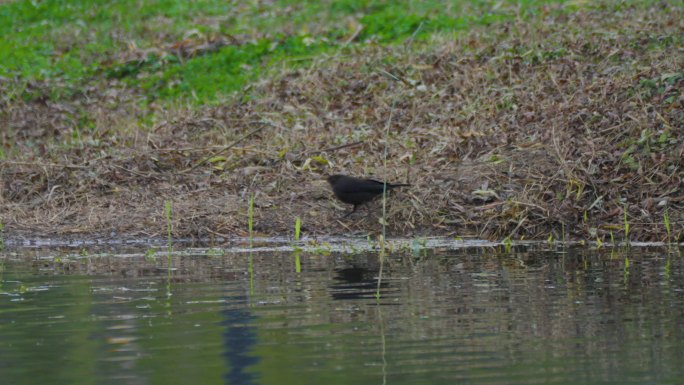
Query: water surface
[{"x": 471, "y": 316}]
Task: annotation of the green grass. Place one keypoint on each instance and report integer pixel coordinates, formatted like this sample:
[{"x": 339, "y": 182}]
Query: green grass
[{"x": 71, "y": 44}]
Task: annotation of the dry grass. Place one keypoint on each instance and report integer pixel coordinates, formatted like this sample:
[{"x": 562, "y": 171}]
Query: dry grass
[{"x": 518, "y": 130}]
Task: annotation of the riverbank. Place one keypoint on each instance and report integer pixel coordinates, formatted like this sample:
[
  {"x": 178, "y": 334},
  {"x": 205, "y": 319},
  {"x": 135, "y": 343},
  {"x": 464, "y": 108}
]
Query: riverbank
[{"x": 561, "y": 125}]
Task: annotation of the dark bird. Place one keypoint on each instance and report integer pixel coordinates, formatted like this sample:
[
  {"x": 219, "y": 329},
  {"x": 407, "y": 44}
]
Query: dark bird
[{"x": 357, "y": 191}]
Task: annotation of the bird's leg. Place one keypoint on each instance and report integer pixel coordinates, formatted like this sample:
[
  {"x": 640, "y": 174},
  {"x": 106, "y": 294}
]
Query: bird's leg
[{"x": 351, "y": 212}]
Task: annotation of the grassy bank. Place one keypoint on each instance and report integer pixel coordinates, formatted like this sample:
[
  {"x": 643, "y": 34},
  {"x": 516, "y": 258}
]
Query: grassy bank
[
  {"x": 527, "y": 120},
  {"x": 205, "y": 50}
]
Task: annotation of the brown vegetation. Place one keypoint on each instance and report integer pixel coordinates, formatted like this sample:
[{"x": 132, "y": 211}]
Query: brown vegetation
[{"x": 521, "y": 130}]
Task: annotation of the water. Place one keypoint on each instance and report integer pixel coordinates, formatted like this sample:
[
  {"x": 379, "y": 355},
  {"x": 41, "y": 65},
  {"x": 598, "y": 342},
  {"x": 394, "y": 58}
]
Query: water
[{"x": 472, "y": 316}]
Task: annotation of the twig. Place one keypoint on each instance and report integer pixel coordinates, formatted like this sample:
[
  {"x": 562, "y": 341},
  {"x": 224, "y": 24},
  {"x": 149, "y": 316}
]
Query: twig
[
  {"x": 210, "y": 231},
  {"x": 44, "y": 164},
  {"x": 354, "y": 35},
  {"x": 345, "y": 226},
  {"x": 135, "y": 172},
  {"x": 353, "y": 144},
  {"x": 226, "y": 148},
  {"x": 495, "y": 204},
  {"x": 410, "y": 40}
]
